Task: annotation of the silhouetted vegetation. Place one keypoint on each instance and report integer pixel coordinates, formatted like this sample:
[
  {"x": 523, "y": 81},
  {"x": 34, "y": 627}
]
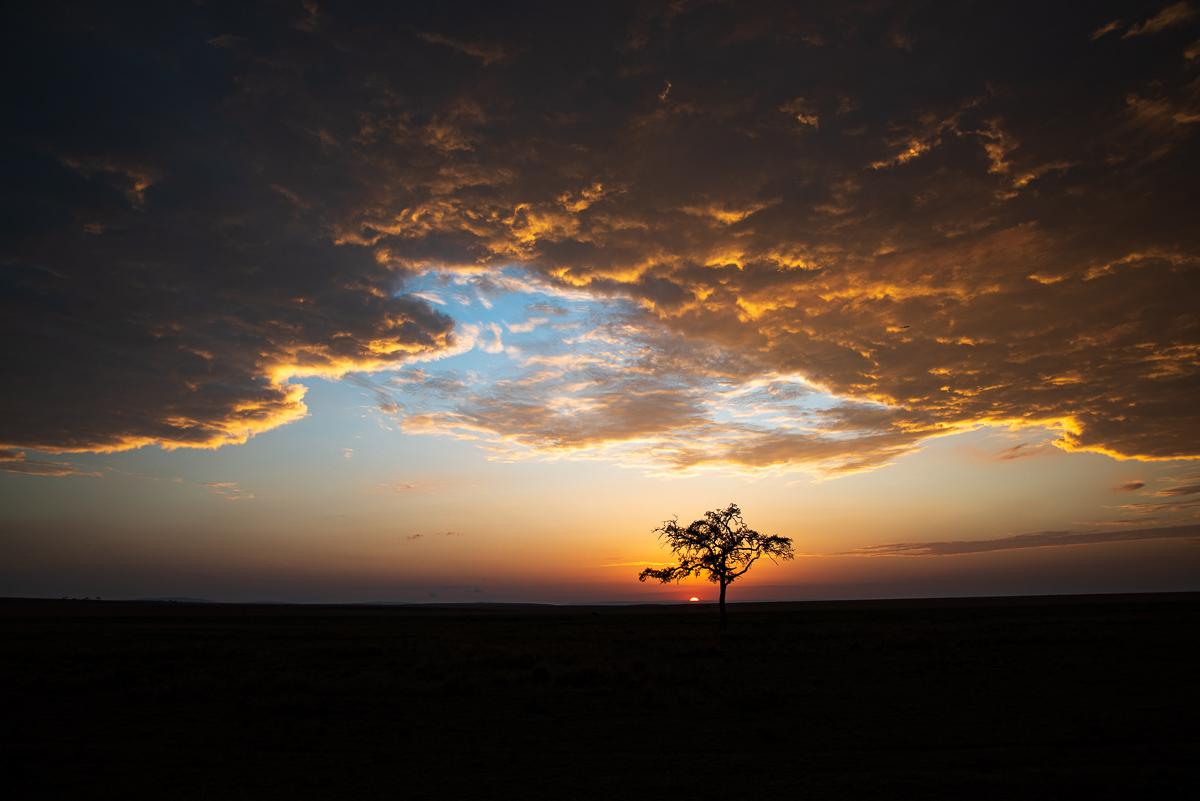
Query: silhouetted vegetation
[
  {"x": 719, "y": 546},
  {"x": 980, "y": 699}
]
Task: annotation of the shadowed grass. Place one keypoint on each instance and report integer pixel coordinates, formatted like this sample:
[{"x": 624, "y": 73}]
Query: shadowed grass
[{"x": 986, "y": 698}]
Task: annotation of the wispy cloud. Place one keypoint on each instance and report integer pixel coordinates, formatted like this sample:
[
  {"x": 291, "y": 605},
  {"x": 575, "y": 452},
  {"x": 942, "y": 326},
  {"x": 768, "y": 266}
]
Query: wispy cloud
[
  {"x": 400, "y": 487},
  {"x": 526, "y": 326},
  {"x": 632, "y": 392},
  {"x": 229, "y": 490},
  {"x": 1024, "y": 450},
  {"x": 431, "y": 297},
  {"x": 1039, "y": 539},
  {"x": 1186, "y": 489},
  {"x": 450, "y": 533},
  {"x": 15, "y": 461},
  {"x": 1105, "y": 29},
  {"x": 486, "y": 52},
  {"x": 1174, "y": 14}
]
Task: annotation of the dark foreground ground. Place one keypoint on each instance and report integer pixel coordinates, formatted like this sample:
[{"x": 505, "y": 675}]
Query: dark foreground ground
[{"x": 970, "y": 699}]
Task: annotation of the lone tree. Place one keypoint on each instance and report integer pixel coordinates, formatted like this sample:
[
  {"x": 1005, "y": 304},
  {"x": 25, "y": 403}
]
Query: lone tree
[{"x": 719, "y": 545}]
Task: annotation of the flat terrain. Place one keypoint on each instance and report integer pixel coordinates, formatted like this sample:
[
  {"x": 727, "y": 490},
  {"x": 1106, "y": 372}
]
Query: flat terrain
[{"x": 1028, "y": 698}]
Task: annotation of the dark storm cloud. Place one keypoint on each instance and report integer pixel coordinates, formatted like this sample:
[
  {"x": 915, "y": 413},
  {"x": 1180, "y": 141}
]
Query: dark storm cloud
[
  {"x": 895, "y": 201},
  {"x": 1039, "y": 539},
  {"x": 165, "y": 264}
]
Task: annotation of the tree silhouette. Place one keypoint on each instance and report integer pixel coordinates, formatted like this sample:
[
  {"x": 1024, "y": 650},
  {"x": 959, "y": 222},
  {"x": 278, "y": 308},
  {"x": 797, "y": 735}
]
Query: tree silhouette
[{"x": 720, "y": 545}]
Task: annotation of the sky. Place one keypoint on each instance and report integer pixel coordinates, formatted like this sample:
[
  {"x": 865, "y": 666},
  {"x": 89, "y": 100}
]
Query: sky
[{"x": 319, "y": 302}]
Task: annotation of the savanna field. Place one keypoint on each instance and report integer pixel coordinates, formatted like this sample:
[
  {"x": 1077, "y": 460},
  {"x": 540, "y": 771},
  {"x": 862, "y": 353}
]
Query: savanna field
[{"x": 982, "y": 698}]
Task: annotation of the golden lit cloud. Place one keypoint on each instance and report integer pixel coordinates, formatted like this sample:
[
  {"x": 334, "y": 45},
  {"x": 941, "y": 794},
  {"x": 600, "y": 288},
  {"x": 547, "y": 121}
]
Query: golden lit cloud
[
  {"x": 15, "y": 461},
  {"x": 1015, "y": 247}
]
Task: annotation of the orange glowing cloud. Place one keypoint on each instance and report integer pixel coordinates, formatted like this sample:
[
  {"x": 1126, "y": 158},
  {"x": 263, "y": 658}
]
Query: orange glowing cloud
[{"x": 1019, "y": 251}]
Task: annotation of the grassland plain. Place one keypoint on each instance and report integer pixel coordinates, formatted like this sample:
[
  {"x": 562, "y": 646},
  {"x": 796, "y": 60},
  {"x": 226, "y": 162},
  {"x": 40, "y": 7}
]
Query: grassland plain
[{"x": 1026, "y": 698}]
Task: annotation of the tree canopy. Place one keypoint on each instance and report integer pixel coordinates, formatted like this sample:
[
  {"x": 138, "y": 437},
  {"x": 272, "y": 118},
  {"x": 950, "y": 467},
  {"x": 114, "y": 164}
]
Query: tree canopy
[{"x": 719, "y": 546}]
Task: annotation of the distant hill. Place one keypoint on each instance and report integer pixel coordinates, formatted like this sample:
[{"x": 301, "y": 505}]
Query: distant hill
[{"x": 175, "y": 600}]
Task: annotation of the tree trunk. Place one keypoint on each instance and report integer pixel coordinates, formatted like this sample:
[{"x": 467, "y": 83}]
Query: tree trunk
[{"x": 723, "y": 622}]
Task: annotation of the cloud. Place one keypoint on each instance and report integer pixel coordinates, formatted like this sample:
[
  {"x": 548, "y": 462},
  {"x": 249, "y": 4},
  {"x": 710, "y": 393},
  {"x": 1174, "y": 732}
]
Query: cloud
[
  {"x": 802, "y": 111},
  {"x": 1129, "y": 486},
  {"x": 403, "y": 487},
  {"x": 1105, "y": 29},
  {"x": 646, "y": 397},
  {"x": 14, "y": 461},
  {"x": 526, "y": 326},
  {"x": 229, "y": 490},
  {"x": 412, "y": 537},
  {"x": 548, "y": 309},
  {"x": 1013, "y": 247},
  {"x": 1040, "y": 539},
  {"x": 1172, "y": 492},
  {"x": 487, "y": 53},
  {"x": 1158, "y": 510},
  {"x": 1174, "y": 14},
  {"x": 167, "y": 291},
  {"x": 1022, "y": 450},
  {"x": 429, "y": 297}
]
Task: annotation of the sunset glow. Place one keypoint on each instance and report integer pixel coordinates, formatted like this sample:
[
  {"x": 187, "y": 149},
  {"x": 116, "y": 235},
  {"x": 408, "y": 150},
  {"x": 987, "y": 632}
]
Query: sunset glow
[{"x": 316, "y": 304}]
